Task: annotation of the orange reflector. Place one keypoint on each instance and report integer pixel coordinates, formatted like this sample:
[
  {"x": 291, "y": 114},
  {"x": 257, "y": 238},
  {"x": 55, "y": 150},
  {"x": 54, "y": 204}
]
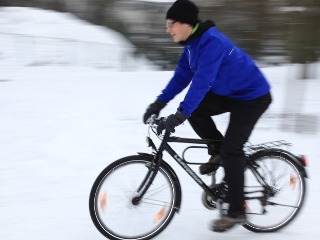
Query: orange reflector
[
  {"x": 293, "y": 181},
  {"x": 304, "y": 160},
  {"x": 159, "y": 215},
  {"x": 246, "y": 207},
  {"x": 103, "y": 201}
]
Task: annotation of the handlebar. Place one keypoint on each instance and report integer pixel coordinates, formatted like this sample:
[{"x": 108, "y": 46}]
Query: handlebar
[{"x": 153, "y": 120}]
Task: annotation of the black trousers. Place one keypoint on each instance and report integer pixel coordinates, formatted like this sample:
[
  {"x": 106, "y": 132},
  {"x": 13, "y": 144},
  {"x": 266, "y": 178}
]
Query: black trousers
[{"x": 243, "y": 117}]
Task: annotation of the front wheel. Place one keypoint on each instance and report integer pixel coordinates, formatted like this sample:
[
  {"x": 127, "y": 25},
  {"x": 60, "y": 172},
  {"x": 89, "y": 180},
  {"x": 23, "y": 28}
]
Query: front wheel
[
  {"x": 276, "y": 201},
  {"x": 113, "y": 209}
]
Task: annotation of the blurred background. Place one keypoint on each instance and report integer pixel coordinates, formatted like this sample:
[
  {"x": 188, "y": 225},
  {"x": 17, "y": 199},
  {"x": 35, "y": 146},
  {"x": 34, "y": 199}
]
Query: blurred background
[
  {"x": 130, "y": 35},
  {"x": 77, "y": 75},
  {"x": 272, "y": 31}
]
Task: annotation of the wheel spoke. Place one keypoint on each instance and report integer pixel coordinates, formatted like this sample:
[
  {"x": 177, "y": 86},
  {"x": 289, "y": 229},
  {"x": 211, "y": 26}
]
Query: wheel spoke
[
  {"x": 279, "y": 204},
  {"x": 155, "y": 202}
]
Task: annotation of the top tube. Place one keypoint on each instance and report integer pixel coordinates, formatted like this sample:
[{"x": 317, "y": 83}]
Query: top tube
[
  {"x": 192, "y": 140},
  {"x": 154, "y": 121}
]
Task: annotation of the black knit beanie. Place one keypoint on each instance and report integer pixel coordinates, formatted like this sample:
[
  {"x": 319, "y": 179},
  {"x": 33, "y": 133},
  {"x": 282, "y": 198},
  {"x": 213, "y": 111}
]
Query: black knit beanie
[{"x": 183, "y": 11}]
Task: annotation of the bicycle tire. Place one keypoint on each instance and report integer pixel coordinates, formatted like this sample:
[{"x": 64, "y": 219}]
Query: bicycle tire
[
  {"x": 110, "y": 201},
  {"x": 282, "y": 172}
]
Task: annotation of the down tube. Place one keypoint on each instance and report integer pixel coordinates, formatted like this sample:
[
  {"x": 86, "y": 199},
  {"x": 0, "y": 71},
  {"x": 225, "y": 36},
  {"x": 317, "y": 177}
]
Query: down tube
[{"x": 186, "y": 167}]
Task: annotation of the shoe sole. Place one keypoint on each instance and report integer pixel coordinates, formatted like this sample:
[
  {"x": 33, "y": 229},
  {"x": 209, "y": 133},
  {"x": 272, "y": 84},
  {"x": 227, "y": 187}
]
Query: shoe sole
[{"x": 215, "y": 229}]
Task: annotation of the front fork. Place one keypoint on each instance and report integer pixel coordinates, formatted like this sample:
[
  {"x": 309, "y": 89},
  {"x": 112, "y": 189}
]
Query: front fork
[
  {"x": 147, "y": 181},
  {"x": 151, "y": 174}
]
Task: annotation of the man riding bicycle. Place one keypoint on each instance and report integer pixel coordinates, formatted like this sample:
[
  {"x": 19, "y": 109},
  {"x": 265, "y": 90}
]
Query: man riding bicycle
[{"x": 222, "y": 78}]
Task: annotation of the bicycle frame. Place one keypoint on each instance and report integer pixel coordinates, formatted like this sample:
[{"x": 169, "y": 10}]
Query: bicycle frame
[{"x": 164, "y": 146}]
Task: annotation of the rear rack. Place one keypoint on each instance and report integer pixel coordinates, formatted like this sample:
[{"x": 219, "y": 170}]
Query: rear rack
[{"x": 267, "y": 145}]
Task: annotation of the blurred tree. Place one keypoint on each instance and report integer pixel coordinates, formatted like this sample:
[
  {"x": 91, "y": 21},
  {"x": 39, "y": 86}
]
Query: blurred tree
[
  {"x": 303, "y": 39},
  {"x": 102, "y": 14},
  {"x": 98, "y": 8},
  {"x": 4, "y": 3}
]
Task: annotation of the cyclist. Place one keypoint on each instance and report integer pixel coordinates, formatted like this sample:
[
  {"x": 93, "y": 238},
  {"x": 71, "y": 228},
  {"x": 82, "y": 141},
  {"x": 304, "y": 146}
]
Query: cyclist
[{"x": 222, "y": 78}]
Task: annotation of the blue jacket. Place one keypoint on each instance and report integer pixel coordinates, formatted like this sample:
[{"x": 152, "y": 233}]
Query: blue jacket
[{"x": 211, "y": 62}]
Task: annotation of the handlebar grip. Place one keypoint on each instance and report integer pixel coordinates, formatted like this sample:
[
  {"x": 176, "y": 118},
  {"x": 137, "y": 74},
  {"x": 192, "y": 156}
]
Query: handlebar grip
[{"x": 153, "y": 119}]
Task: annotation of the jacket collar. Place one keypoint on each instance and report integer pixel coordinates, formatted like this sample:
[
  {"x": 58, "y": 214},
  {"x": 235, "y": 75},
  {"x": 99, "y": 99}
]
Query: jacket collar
[{"x": 203, "y": 26}]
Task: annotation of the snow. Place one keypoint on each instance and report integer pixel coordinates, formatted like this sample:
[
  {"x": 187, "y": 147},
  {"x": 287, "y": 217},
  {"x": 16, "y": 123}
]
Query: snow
[
  {"x": 62, "y": 124},
  {"x": 33, "y": 37}
]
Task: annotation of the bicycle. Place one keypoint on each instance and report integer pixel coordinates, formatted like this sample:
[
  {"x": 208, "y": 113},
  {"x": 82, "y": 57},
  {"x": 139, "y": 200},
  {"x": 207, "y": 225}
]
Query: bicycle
[{"x": 137, "y": 196}]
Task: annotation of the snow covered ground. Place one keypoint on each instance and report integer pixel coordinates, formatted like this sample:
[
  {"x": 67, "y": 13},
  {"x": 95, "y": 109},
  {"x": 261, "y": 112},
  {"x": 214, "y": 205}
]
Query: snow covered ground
[
  {"x": 61, "y": 124},
  {"x": 36, "y": 37}
]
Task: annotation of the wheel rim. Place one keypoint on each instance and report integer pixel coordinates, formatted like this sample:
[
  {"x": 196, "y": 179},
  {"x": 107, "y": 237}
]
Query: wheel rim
[{"x": 114, "y": 208}]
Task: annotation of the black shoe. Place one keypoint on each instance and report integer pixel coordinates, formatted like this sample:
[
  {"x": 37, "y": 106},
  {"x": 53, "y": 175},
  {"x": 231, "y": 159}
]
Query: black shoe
[
  {"x": 226, "y": 223},
  {"x": 212, "y": 165}
]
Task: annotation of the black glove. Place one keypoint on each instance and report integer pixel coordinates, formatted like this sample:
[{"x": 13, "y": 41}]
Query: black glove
[
  {"x": 154, "y": 108},
  {"x": 170, "y": 122}
]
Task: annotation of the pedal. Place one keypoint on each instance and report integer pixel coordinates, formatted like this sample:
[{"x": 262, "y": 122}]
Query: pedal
[{"x": 208, "y": 202}]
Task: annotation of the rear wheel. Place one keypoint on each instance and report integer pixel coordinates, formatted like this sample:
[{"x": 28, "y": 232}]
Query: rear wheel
[
  {"x": 271, "y": 208},
  {"x": 111, "y": 204}
]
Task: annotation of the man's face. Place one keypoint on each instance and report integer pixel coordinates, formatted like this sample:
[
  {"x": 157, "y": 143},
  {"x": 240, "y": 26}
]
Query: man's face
[{"x": 178, "y": 31}]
